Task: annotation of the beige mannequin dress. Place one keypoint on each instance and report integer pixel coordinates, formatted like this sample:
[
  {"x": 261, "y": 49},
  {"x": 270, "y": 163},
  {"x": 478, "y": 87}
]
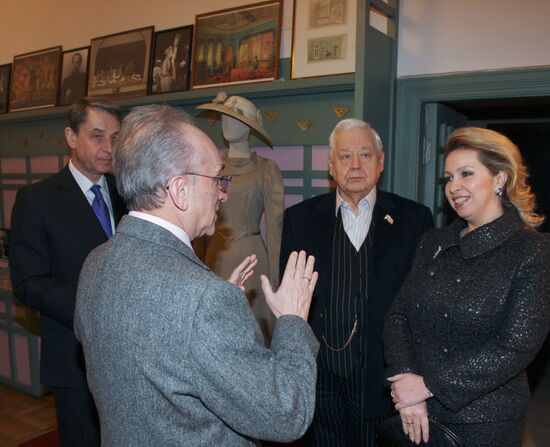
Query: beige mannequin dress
[{"x": 256, "y": 190}]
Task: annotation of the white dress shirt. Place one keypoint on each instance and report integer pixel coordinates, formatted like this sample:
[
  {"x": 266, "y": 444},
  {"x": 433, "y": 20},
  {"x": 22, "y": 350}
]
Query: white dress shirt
[
  {"x": 356, "y": 225},
  {"x": 86, "y": 184}
]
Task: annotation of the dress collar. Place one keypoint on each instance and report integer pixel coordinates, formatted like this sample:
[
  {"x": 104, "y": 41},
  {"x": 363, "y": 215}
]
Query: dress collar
[
  {"x": 239, "y": 166},
  {"x": 485, "y": 238}
]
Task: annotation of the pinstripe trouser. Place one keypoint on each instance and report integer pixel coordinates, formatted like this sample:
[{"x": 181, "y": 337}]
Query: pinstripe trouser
[{"x": 338, "y": 420}]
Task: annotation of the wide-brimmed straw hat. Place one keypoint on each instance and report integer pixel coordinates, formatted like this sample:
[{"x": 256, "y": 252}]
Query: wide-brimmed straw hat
[{"x": 239, "y": 108}]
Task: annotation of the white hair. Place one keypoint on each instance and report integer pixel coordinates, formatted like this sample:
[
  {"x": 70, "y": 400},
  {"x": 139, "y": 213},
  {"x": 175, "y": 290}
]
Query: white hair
[{"x": 351, "y": 124}]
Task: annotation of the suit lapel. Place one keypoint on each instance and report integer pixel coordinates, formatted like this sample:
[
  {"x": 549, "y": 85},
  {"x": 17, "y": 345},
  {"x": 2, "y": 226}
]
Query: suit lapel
[
  {"x": 322, "y": 236},
  {"x": 77, "y": 205},
  {"x": 119, "y": 208},
  {"x": 381, "y": 231}
]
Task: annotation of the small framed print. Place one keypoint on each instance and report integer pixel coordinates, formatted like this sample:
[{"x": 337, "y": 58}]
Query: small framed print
[
  {"x": 35, "y": 79},
  {"x": 323, "y": 38},
  {"x": 5, "y": 71},
  {"x": 237, "y": 45},
  {"x": 119, "y": 64},
  {"x": 74, "y": 75},
  {"x": 171, "y": 61}
]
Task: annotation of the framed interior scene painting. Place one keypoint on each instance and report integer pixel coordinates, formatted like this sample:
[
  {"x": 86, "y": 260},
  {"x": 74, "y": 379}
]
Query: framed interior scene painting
[
  {"x": 119, "y": 64},
  {"x": 171, "y": 61},
  {"x": 35, "y": 79},
  {"x": 237, "y": 45},
  {"x": 5, "y": 71},
  {"x": 74, "y": 75},
  {"x": 323, "y": 38}
]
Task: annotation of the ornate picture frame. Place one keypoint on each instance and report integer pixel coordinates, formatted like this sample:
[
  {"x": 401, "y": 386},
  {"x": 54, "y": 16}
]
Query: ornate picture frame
[
  {"x": 35, "y": 79},
  {"x": 119, "y": 64},
  {"x": 323, "y": 38},
  {"x": 237, "y": 45},
  {"x": 5, "y": 72}
]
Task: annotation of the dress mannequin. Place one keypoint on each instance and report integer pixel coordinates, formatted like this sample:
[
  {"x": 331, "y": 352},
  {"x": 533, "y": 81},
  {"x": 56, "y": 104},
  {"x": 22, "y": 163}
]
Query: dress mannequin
[{"x": 256, "y": 191}]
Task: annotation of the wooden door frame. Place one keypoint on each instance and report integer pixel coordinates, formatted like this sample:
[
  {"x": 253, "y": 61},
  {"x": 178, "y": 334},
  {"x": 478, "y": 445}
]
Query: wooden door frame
[{"x": 403, "y": 159}]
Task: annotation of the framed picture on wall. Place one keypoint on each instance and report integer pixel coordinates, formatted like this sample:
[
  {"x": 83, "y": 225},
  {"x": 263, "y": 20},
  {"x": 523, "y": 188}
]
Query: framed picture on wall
[
  {"x": 35, "y": 79},
  {"x": 74, "y": 75},
  {"x": 119, "y": 64},
  {"x": 237, "y": 45},
  {"x": 171, "y": 61},
  {"x": 5, "y": 71},
  {"x": 323, "y": 37}
]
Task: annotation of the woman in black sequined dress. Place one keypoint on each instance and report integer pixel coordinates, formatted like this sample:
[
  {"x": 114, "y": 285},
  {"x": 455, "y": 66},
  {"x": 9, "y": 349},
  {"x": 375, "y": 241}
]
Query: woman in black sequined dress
[{"x": 475, "y": 308}]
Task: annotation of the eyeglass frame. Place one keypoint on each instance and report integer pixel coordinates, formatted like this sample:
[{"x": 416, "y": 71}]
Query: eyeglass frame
[{"x": 221, "y": 179}]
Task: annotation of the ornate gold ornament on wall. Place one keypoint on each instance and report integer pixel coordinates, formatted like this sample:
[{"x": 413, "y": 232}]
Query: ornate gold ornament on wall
[
  {"x": 8, "y": 136},
  {"x": 304, "y": 125},
  {"x": 24, "y": 142},
  {"x": 56, "y": 141},
  {"x": 271, "y": 116},
  {"x": 340, "y": 111},
  {"x": 40, "y": 133}
]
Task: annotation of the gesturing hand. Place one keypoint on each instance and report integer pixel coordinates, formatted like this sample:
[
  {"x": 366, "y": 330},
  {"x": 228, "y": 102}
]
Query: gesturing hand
[
  {"x": 243, "y": 271},
  {"x": 293, "y": 297}
]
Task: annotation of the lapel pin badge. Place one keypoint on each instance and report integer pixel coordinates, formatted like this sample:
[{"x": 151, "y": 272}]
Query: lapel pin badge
[{"x": 388, "y": 219}]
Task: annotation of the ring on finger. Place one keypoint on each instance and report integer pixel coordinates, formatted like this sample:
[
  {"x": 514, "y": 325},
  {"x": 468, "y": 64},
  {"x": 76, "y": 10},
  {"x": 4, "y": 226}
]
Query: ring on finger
[
  {"x": 308, "y": 278},
  {"x": 391, "y": 394}
]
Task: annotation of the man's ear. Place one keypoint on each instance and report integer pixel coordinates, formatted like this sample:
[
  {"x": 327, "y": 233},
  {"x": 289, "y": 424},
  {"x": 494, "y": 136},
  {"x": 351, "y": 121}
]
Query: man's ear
[
  {"x": 70, "y": 136},
  {"x": 178, "y": 190}
]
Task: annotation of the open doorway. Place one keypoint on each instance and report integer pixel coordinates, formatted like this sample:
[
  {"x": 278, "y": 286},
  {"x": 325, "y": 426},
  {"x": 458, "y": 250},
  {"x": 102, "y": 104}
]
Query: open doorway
[{"x": 526, "y": 121}]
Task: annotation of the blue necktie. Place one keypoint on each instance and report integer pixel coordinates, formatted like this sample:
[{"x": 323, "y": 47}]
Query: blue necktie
[{"x": 101, "y": 211}]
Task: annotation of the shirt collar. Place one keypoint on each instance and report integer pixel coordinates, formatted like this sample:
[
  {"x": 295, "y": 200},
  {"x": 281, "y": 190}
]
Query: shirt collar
[
  {"x": 84, "y": 182},
  {"x": 174, "y": 229},
  {"x": 365, "y": 202}
]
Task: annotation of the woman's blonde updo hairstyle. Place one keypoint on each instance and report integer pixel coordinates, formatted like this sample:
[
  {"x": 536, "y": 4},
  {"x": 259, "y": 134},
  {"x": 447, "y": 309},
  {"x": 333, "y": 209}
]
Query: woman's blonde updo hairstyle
[{"x": 497, "y": 153}]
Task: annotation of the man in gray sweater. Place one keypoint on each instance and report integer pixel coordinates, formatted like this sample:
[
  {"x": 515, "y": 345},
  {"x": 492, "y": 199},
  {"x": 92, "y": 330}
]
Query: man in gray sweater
[{"x": 173, "y": 353}]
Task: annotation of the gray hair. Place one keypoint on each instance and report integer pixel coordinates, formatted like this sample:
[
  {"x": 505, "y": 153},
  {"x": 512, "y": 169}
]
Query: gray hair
[
  {"x": 351, "y": 124},
  {"x": 153, "y": 146}
]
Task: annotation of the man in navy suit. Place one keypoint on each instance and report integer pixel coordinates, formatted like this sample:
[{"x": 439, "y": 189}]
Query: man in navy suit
[
  {"x": 363, "y": 240},
  {"x": 54, "y": 227}
]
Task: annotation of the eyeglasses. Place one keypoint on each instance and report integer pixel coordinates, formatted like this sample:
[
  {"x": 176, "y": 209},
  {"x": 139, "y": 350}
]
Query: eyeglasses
[{"x": 223, "y": 181}]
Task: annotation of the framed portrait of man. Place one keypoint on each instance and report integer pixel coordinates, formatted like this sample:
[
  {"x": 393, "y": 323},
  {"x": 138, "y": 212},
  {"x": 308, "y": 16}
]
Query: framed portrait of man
[
  {"x": 74, "y": 75},
  {"x": 171, "y": 61}
]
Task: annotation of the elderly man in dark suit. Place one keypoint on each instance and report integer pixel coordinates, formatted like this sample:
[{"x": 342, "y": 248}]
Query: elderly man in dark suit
[
  {"x": 55, "y": 225},
  {"x": 173, "y": 353},
  {"x": 363, "y": 240}
]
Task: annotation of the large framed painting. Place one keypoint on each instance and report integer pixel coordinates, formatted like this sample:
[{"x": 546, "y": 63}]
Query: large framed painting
[
  {"x": 171, "y": 62},
  {"x": 5, "y": 71},
  {"x": 323, "y": 38},
  {"x": 119, "y": 64},
  {"x": 74, "y": 75},
  {"x": 237, "y": 45},
  {"x": 35, "y": 79}
]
